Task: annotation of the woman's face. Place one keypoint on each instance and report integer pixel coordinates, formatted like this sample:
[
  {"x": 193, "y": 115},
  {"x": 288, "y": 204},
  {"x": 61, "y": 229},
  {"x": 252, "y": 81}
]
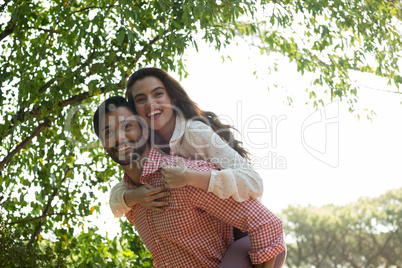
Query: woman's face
[{"x": 154, "y": 104}]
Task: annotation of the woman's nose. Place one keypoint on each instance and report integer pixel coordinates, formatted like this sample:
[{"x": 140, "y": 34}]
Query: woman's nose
[{"x": 150, "y": 102}]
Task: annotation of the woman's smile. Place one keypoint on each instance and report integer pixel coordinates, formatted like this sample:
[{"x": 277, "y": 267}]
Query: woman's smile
[{"x": 153, "y": 103}]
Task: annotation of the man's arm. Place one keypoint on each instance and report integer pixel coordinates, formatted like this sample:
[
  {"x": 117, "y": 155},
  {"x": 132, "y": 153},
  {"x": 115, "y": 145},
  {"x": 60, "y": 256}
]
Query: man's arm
[{"x": 264, "y": 228}]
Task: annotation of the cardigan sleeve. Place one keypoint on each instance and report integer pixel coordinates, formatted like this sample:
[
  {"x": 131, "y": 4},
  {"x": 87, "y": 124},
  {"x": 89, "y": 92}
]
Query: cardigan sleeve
[
  {"x": 116, "y": 199},
  {"x": 236, "y": 179}
]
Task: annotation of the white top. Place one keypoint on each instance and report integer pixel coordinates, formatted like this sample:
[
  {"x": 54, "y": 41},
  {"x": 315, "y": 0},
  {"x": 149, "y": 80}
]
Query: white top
[{"x": 196, "y": 140}]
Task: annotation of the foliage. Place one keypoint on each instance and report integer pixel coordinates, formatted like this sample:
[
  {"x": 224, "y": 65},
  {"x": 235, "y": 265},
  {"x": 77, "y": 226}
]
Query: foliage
[
  {"x": 362, "y": 234},
  {"x": 59, "y": 59},
  {"x": 89, "y": 249},
  {"x": 15, "y": 253},
  {"x": 333, "y": 40}
]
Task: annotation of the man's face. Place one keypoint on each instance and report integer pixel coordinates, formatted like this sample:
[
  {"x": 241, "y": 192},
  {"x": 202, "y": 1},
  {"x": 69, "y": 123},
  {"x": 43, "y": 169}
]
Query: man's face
[{"x": 121, "y": 136}]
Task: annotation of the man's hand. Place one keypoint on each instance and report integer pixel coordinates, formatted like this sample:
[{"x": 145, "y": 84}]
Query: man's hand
[
  {"x": 147, "y": 195},
  {"x": 175, "y": 177}
]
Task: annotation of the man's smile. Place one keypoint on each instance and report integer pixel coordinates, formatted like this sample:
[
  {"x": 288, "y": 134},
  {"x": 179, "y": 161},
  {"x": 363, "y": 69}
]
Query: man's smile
[{"x": 123, "y": 147}]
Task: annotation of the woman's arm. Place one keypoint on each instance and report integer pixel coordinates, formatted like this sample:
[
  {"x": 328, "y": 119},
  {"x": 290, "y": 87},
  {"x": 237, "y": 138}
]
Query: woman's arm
[
  {"x": 122, "y": 198},
  {"x": 236, "y": 179},
  {"x": 117, "y": 201},
  {"x": 179, "y": 176}
]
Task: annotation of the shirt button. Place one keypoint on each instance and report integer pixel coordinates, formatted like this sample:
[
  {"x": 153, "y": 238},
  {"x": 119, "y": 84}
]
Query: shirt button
[
  {"x": 166, "y": 263},
  {"x": 157, "y": 241}
]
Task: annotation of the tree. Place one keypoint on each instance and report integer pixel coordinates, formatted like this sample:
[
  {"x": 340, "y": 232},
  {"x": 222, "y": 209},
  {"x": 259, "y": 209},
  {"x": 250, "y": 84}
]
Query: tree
[
  {"x": 59, "y": 59},
  {"x": 334, "y": 40},
  {"x": 362, "y": 234}
]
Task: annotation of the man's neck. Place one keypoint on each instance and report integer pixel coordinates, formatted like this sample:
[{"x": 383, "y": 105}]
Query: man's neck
[{"x": 134, "y": 169}]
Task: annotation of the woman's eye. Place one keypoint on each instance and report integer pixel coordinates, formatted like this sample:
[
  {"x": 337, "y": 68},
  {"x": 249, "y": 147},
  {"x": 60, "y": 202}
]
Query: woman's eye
[
  {"x": 158, "y": 94},
  {"x": 139, "y": 100}
]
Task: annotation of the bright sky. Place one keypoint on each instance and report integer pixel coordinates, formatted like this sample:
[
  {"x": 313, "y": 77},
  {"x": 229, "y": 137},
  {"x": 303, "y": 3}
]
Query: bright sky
[
  {"x": 355, "y": 157},
  {"x": 303, "y": 158}
]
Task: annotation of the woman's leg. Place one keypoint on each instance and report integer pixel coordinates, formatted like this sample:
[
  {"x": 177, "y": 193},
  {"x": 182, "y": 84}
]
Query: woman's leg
[
  {"x": 280, "y": 259},
  {"x": 237, "y": 254}
]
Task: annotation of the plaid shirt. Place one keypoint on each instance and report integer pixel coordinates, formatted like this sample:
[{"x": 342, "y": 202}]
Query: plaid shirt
[{"x": 195, "y": 228}]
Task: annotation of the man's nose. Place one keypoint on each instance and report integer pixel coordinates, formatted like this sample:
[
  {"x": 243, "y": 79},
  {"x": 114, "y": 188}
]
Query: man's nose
[{"x": 120, "y": 135}]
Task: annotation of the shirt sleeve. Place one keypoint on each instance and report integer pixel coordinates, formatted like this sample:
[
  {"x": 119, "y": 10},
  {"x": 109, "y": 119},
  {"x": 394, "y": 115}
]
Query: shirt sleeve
[
  {"x": 116, "y": 200},
  {"x": 264, "y": 228},
  {"x": 236, "y": 179}
]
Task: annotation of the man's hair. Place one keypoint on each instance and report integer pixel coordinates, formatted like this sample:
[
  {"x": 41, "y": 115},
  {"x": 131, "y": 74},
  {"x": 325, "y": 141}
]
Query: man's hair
[{"x": 109, "y": 105}]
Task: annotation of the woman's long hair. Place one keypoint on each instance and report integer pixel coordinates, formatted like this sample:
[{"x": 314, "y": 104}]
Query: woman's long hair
[{"x": 189, "y": 108}]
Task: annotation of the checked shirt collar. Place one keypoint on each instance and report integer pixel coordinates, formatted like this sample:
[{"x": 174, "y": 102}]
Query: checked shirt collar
[{"x": 152, "y": 164}]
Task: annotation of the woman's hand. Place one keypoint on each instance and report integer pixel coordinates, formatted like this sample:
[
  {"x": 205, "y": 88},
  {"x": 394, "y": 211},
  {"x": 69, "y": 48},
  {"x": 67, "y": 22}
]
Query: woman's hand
[
  {"x": 180, "y": 176},
  {"x": 146, "y": 195},
  {"x": 175, "y": 177}
]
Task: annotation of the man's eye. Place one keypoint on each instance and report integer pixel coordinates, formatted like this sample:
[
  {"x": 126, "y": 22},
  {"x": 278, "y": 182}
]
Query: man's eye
[{"x": 126, "y": 125}]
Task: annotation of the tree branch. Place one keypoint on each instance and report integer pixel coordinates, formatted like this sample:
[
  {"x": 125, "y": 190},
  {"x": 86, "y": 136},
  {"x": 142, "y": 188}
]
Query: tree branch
[
  {"x": 382, "y": 248},
  {"x": 20, "y": 115},
  {"x": 24, "y": 143},
  {"x": 73, "y": 100},
  {"x": 3, "y": 5},
  {"x": 46, "y": 209},
  {"x": 328, "y": 248},
  {"x": 153, "y": 41},
  {"x": 43, "y": 45},
  {"x": 8, "y": 30},
  {"x": 41, "y": 127},
  {"x": 93, "y": 7},
  {"x": 80, "y": 97},
  {"x": 317, "y": 258},
  {"x": 378, "y": 89},
  {"x": 36, "y": 218},
  {"x": 42, "y": 29}
]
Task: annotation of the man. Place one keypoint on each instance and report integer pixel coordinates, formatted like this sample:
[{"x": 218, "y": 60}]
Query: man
[{"x": 195, "y": 227}]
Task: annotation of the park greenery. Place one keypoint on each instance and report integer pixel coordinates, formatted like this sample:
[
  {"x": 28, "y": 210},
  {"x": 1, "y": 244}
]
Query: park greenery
[
  {"x": 366, "y": 233},
  {"x": 60, "y": 59}
]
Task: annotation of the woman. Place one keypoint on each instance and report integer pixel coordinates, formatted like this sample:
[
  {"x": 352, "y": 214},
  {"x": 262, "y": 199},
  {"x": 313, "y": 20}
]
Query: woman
[{"x": 178, "y": 126}]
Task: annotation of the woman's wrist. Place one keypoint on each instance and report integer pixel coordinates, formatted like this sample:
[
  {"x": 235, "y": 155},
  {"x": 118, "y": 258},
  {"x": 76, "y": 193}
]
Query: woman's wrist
[
  {"x": 130, "y": 198},
  {"x": 198, "y": 179}
]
